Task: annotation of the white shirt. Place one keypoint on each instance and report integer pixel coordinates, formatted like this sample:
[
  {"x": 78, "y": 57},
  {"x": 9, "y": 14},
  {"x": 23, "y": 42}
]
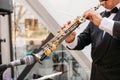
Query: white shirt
[{"x": 106, "y": 25}]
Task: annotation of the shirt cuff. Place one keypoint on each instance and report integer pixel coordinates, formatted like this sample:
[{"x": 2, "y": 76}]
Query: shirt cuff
[
  {"x": 107, "y": 25},
  {"x": 73, "y": 44}
]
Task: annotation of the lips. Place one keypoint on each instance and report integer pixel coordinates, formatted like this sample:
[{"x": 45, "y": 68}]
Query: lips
[{"x": 103, "y": 0}]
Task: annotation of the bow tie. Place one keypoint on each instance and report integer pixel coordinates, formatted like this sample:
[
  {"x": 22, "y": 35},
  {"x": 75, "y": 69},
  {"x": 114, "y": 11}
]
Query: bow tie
[{"x": 108, "y": 13}]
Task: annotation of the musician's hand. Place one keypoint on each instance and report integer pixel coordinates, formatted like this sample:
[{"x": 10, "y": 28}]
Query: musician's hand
[
  {"x": 71, "y": 37},
  {"x": 93, "y": 16}
]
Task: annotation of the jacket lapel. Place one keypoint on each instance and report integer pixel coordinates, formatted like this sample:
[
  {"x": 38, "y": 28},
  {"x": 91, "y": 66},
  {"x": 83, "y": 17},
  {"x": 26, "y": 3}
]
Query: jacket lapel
[{"x": 117, "y": 16}]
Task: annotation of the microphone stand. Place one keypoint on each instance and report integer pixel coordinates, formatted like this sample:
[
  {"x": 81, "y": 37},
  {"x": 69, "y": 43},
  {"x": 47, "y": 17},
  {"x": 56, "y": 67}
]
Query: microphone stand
[{"x": 3, "y": 67}]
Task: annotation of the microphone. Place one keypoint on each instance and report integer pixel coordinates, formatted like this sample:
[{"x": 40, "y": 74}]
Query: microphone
[{"x": 26, "y": 60}]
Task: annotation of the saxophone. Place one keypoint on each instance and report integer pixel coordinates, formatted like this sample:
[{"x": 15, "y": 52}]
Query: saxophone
[
  {"x": 61, "y": 35},
  {"x": 50, "y": 46}
]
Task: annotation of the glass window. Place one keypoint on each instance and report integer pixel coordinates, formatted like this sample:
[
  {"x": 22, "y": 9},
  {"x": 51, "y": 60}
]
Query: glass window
[{"x": 28, "y": 33}]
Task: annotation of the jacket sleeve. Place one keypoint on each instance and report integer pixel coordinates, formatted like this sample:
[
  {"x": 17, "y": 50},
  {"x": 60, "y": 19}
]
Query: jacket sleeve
[
  {"x": 116, "y": 30},
  {"x": 84, "y": 38}
]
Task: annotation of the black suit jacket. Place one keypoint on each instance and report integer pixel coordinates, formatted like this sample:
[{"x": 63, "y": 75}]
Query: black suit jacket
[{"x": 105, "y": 52}]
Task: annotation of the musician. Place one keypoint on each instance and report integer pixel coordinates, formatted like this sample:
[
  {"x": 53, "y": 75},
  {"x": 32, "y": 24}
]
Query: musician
[{"x": 103, "y": 32}]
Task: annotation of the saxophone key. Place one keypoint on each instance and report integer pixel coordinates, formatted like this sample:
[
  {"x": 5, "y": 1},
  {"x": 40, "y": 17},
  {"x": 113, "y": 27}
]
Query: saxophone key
[
  {"x": 52, "y": 47},
  {"x": 47, "y": 52}
]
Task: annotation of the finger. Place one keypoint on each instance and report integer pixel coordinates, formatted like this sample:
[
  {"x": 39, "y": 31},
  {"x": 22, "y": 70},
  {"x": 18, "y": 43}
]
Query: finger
[
  {"x": 89, "y": 18},
  {"x": 61, "y": 28},
  {"x": 73, "y": 33},
  {"x": 87, "y": 14},
  {"x": 64, "y": 26},
  {"x": 69, "y": 22}
]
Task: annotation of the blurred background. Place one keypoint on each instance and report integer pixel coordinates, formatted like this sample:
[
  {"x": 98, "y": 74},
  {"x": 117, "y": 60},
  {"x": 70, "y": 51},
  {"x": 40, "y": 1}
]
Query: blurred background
[{"x": 27, "y": 24}]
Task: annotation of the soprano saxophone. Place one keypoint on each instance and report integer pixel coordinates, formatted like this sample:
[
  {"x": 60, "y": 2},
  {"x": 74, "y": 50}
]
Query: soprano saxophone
[
  {"x": 61, "y": 35},
  {"x": 49, "y": 46}
]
